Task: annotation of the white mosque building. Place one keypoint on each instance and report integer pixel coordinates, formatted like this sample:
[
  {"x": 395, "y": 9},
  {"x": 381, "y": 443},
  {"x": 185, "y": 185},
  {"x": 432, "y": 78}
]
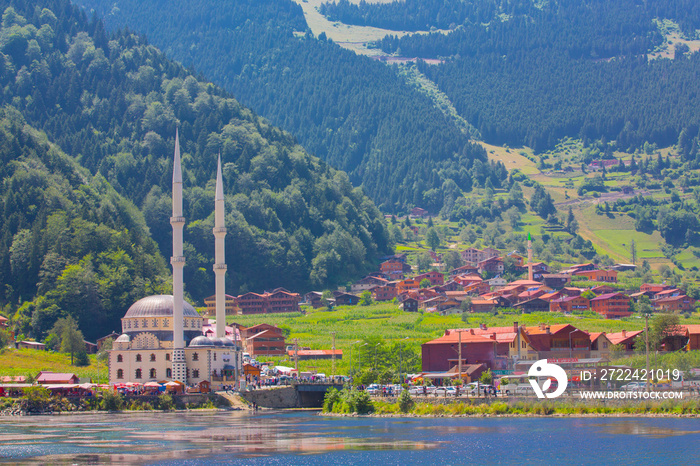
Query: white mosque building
[{"x": 162, "y": 337}]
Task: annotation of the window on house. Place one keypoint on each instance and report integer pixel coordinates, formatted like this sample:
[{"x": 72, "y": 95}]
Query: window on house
[
  {"x": 120, "y": 373},
  {"x": 138, "y": 373},
  {"x": 605, "y": 344},
  {"x": 153, "y": 357},
  {"x": 138, "y": 358},
  {"x": 120, "y": 358}
]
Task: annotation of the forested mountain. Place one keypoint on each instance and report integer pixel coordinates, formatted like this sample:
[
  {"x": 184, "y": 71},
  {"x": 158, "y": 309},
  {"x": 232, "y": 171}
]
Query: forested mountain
[
  {"x": 354, "y": 112},
  {"x": 70, "y": 243},
  {"x": 538, "y": 71},
  {"x": 113, "y": 103}
]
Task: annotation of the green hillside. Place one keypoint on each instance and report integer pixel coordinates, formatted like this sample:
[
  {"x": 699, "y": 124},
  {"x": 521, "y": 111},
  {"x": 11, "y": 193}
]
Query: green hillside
[
  {"x": 354, "y": 112},
  {"x": 112, "y": 103}
]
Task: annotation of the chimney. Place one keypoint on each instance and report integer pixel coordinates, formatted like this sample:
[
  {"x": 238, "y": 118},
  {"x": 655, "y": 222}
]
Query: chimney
[
  {"x": 482, "y": 326},
  {"x": 471, "y": 330},
  {"x": 493, "y": 335},
  {"x": 542, "y": 326},
  {"x": 548, "y": 331},
  {"x": 515, "y": 327},
  {"x": 624, "y": 333}
]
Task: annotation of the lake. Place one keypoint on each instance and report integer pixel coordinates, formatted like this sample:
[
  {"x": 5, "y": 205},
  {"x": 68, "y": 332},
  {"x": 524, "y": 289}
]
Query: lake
[{"x": 199, "y": 438}]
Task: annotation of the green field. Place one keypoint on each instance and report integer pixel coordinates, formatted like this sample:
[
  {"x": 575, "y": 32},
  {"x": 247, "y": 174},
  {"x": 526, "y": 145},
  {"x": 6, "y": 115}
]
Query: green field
[
  {"x": 30, "y": 362},
  {"x": 386, "y": 323}
]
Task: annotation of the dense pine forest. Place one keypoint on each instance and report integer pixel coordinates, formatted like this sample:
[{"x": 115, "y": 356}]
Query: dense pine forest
[
  {"x": 536, "y": 72},
  {"x": 74, "y": 241},
  {"x": 353, "y": 112}
]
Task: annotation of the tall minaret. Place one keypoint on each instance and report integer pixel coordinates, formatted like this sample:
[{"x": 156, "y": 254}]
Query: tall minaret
[
  {"x": 178, "y": 262},
  {"x": 219, "y": 261},
  {"x": 529, "y": 257}
]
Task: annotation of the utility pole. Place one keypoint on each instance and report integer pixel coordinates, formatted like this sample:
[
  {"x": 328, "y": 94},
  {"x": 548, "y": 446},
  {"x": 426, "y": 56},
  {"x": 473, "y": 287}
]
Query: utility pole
[
  {"x": 459, "y": 361},
  {"x": 296, "y": 356},
  {"x": 646, "y": 334},
  {"x": 333, "y": 355}
]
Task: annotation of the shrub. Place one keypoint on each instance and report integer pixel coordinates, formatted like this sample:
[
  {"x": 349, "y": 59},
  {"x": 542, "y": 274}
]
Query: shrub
[
  {"x": 331, "y": 398},
  {"x": 405, "y": 402},
  {"x": 165, "y": 402},
  {"x": 112, "y": 401},
  {"x": 36, "y": 400},
  {"x": 82, "y": 359}
]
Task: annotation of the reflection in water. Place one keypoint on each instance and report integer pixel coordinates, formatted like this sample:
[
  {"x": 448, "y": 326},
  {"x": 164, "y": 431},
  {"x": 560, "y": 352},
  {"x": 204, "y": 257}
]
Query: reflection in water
[
  {"x": 146, "y": 438},
  {"x": 304, "y": 438},
  {"x": 644, "y": 430}
]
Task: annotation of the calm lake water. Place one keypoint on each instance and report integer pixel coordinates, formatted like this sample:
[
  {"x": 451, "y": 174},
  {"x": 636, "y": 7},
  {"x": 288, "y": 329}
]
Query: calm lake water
[{"x": 309, "y": 439}]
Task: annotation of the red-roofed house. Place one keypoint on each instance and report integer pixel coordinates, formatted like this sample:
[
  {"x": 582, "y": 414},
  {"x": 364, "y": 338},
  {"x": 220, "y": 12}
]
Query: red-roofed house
[
  {"x": 384, "y": 293},
  {"x": 600, "y": 345},
  {"x": 612, "y": 305},
  {"x": 609, "y": 276},
  {"x": 316, "y": 354},
  {"x": 48, "y": 378},
  {"x": 693, "y": 332},
  {"x": 568, "y": 304},
  {"x": 654, "y": 287},
  {"x": 624, "y": 338},
  {"x": 3, "y": 322},
  {"x": 435, "y": 278},
  {"x": 680, "y": 303}
]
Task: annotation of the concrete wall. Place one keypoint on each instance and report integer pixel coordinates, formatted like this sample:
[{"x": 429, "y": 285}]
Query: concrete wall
[{"x": 283, "y": 397}]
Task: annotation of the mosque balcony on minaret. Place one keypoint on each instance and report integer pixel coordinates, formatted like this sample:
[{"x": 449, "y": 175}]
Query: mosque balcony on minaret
[
  {"x": 220, "y": 267},
  {"x": 174, "y": 220},
  {"x": 177, "y": 260},
  {"x": 219, "y": 230}
]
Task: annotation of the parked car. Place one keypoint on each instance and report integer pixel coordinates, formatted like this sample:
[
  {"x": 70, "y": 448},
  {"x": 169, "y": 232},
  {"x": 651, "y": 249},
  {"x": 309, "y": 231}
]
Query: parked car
[
  {"x": 525, "y": 389},
  {"x": 446, "y": 391},
  {"x": 417, "y": 390},
  {"x": 373, "y": 389},
  {"x": 634, "y": 386}
]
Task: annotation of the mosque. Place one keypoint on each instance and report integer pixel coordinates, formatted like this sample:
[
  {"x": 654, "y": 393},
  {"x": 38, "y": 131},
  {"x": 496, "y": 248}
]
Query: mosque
[{"x": 162, "y": 337}]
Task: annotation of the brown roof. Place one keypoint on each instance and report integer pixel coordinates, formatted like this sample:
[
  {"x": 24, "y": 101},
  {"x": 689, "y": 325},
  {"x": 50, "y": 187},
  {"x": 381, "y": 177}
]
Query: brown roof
[{"x": 619, "y": 337}]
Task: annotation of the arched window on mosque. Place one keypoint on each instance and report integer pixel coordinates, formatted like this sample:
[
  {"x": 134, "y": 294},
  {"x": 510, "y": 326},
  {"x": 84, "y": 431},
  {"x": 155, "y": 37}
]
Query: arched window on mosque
[
  {"x": 168, "y": 373},
  {"x": 152, "y": 373},
  {"x": 138, "y": 358},
  {"x": 120, "y": 358},
  {"x": 214, "y": 356},
  {"x": 167, "y": 356},
  {"x": 165, "y": 322},
  {"x": 120, "y": 373},
  {"x": 153, "y": 357},
  {"x": 195, "y": 356},
  {"x": 144, "y": 322},
  {"x": 138, "y": 373},
  {"x": 185, "y": 324},
  {"x": 195, "y": 373},
  {"x": 155, "y": 323},
  {"x": 136, "y": 324}
]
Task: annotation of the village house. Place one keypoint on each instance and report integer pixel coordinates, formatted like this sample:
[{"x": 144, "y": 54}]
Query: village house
[
  {"x": 3, "y": 322},
  {"x": 693, "y": 334},
  {"x": 598, "y": 275},
  {"x": 493, "y": 265},
  {"x": 654, "y": 287},
  {"x": 579, "y": 268},
  {"x": 314, "y": 299},
  {"x": 278, "y": 300},
  {"x": 404, "y": 286},
  {"x": 470, "y": 255},
  {"x": 418, "y": 212},
  {"x": 263, "y": 340},
  {"x": 409, "y": 305},
  {"x": 532, "y": 305},
  {"x": 555, "y": 281},
  {"x": 559, "y": 341},
  {"x": 600, "y": 345},
  {"x": 367, "y": 283},
  {"x": 681, "y": 303},
  {"x": 602, "y": 289},
  {"x": 624, "y": 339},
  {"x": 568, "y": 304},
  {"x": 612, "y": 305},
  {"x": 230, "y": 305},
  {"x": 101, "y": 341},
  {"x": 54, "y": 378},
  {"x": 303, "y": 355},
  {"x": 435, "y": 278},
  {"x": 384, "y": 293},
  {"x": 345, "y": 299},
  {"x": 465, "y": 270},
  {"x": 30, "y": 345}
]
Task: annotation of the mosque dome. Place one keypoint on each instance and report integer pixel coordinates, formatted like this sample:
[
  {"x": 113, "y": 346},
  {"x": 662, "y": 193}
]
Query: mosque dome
[
  {"x": 227, "y": 342},
  {"x": 201, "y": 341},
  {"x": 158, "y": 306},
  {"x": 123, "y": 338}
]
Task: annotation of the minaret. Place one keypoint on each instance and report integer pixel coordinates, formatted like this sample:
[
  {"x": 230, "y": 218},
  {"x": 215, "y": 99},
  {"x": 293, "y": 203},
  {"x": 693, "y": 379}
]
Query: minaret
[
  {"x": 220, "y": 261},
  {"x": 529, "y": 257},
  {"x": 178, "y": 262}
]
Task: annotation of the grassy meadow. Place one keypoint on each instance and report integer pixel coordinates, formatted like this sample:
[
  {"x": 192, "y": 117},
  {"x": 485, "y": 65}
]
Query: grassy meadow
[{"x": 29, "y": 362}]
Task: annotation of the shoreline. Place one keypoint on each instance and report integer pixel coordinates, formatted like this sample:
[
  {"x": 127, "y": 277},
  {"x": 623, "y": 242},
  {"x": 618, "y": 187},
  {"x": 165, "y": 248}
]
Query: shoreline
[{"x": 514, "y": 415}]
